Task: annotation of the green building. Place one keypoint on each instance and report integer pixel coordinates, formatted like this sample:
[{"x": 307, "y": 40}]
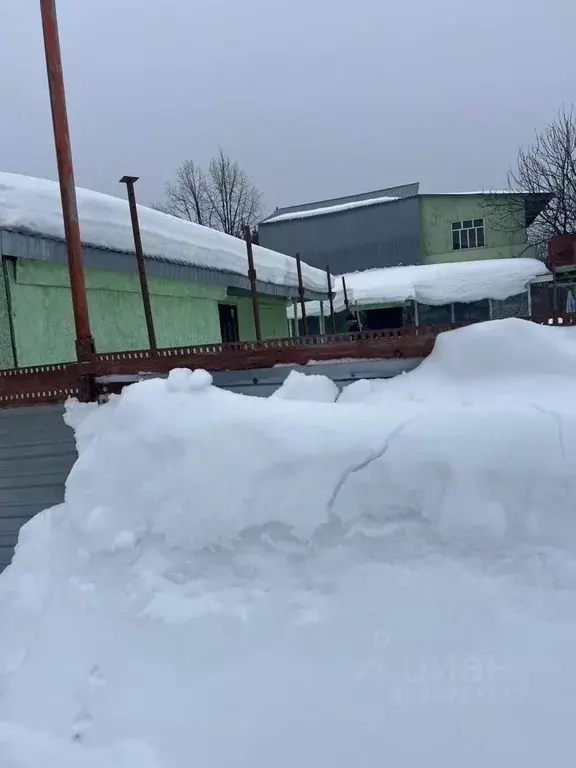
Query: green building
[{"x": 200, "y": 292}]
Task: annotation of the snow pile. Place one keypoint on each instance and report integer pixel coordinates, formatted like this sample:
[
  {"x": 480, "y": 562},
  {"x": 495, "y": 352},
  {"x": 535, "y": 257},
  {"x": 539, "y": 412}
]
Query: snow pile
[
  {"x": 22, "y": 748},
  {"x": 323, "y": 210},
  {"x": 435, "y": 284},
  {"x": 390, "y": 578},
  {"x": 308, "y": 388},
  {"x": 33, "y": 205}
]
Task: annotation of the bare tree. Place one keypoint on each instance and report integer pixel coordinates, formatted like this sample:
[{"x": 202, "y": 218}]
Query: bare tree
[
  {"x": 223, "y": 197},
  {"x": 546, "y": 169}
]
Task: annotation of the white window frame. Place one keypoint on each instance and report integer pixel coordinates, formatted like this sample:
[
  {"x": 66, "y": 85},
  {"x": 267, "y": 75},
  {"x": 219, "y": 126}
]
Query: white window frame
[{"x": 459, "y": 229}]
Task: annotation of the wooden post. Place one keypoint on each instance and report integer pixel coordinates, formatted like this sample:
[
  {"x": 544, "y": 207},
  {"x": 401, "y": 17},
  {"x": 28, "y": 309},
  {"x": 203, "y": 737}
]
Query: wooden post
[
  {"x": 322, "y": 323},
  {"x": 130, "y": 181},
  {"x": 301, "y": 294},
  {"x": 331, "y": 298},
  {"x": 253, "y": 285}
]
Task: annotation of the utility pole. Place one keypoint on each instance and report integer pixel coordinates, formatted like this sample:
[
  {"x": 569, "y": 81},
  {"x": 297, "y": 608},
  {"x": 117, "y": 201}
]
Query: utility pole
[
  {"x": 84, "y": 340},
  {"x": 130, "y": 181}
]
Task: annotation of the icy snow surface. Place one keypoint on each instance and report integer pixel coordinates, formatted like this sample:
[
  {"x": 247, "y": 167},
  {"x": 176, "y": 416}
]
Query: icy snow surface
[
  {"x": 310, "y": 388},
  {"x": 434, "y": 284},
  {"x": 385, "y": 580},
  {"x": 33, "y": 205},
  {"x": 329, "y": 209}
]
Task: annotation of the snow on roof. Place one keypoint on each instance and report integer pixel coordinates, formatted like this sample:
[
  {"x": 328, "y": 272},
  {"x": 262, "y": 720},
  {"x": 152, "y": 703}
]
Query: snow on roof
[
  {"x": 34, "y": 206},
  {"x": 329, "y": 209},
  {"x": 435, "y": 284}
]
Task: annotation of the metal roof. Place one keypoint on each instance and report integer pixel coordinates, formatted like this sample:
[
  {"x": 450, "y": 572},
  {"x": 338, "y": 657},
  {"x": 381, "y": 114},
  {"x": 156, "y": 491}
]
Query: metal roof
[
  {"x": 24, "y": 245},
  {"x": 401, "y": 192}
]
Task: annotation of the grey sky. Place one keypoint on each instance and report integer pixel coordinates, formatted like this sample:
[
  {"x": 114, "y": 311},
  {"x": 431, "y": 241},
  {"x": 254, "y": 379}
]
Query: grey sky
[{"x": 315, "y": 98}]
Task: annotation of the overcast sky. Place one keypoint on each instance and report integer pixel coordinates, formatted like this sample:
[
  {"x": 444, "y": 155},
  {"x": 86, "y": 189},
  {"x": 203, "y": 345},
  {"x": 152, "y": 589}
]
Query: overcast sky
[{"x": 315, "y": 98}]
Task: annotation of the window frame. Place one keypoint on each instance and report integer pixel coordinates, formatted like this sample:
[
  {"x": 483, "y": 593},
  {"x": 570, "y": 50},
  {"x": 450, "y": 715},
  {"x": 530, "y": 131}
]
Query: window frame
[{"x": 458, "y": 229}]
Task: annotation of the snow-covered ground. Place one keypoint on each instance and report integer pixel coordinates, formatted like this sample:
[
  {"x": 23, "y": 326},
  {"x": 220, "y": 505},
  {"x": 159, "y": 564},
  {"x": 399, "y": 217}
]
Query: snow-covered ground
[{"x": 388, "y": 579}]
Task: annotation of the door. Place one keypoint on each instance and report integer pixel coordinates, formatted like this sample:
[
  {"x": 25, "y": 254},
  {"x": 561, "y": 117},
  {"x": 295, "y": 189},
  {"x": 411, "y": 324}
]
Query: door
[{"x": 229, "y": 322}]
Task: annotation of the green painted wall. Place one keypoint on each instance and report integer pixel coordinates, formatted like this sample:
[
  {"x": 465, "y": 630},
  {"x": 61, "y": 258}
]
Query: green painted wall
[
  {"x": 438, "y": 212},
  {"x": 273, "y": 320},
  {"x": 6, "y": 354},
  {"x": 184, "y": 313}
]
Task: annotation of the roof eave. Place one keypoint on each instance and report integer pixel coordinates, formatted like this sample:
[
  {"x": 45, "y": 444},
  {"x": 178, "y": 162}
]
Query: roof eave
[{"x": 26, "y": 245}]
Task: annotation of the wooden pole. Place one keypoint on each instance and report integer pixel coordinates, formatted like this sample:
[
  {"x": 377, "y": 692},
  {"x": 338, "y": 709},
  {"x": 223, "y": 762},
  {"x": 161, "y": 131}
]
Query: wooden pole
[
  {"x": 301, "y": 294},
  {"x": 253, "y": 285},
  {"x": 130, "y": 181},
  {"x": 84, "y": 340},
  {"x": 331, "y": 298}
]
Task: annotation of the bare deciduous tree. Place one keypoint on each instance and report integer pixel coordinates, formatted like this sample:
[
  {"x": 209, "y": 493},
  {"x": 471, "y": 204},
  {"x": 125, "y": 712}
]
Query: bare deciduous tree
[
  {"x": 547, "y": 168},
  {"x": 223, "y": 197}
]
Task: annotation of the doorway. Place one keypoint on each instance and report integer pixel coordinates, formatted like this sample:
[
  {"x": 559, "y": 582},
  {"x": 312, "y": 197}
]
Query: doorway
[
  {"x": 229, "y": 331},
  {"x": 382, "y": 319}
]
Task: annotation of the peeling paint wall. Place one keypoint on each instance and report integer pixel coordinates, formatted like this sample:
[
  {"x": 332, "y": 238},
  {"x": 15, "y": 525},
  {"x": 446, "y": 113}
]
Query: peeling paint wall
[{"x": 184, "y": 313}]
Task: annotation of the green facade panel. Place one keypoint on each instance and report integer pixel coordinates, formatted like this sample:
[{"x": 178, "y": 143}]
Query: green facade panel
[
  {"x": 505, "y": 236},
  {"x": 184, "y": 313}
]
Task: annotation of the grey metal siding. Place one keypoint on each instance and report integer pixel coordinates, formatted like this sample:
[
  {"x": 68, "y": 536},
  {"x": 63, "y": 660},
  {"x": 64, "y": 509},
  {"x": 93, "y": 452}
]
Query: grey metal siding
[
  {"x": 37, "y": 451},
  {"x": 382, "y": 235}
]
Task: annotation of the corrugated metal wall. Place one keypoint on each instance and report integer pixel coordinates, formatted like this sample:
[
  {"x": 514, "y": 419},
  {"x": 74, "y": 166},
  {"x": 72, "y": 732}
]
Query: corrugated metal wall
[
  {"x": 381, "y": 235},
  {"x": 37, "y": 450}
]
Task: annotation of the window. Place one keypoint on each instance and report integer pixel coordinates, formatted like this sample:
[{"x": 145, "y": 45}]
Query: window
[{"x": 468, "y": 234}]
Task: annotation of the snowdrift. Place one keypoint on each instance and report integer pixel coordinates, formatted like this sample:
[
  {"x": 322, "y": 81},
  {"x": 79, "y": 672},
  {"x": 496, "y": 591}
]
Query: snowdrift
[{"x": 390, "y": 578}]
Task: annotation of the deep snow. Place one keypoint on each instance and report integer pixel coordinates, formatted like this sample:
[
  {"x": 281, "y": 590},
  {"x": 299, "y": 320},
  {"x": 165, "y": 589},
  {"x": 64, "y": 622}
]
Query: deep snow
[
  {"x": 33, "y": 205},
  {"x": 233, "y": 581}
]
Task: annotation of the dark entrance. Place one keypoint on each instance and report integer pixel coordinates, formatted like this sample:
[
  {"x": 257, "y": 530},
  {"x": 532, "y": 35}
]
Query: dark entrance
[
  {"x": 229, "y": 322},
  {"x": 382, "y": 319}
]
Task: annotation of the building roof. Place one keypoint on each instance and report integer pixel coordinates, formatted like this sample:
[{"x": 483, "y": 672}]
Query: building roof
[
  {"x": 337, "y": 204},
  {"x": 31, "y": 207},
  {"x": 535, "y": 202},
  {"x": 435, "y": 284}
]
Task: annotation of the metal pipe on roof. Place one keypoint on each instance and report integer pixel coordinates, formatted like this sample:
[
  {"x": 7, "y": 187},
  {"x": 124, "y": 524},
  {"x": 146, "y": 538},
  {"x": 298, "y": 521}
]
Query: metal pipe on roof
[
  {"x": 253, "y": 287},
  {"x": 301, "y": 293},
  {"x": 130, "y": 181},
  {"x": 84, "y": 340}
]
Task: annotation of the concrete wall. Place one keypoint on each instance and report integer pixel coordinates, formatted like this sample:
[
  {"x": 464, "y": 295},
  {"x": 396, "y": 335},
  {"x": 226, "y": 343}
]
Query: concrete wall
[
  {"x": 438, "y": 212},
  {"x": 184, "y": 313}
]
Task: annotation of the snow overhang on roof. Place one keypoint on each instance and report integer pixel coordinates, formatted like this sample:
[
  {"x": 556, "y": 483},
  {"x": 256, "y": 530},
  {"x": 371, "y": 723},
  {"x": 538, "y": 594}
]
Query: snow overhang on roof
[
  {"x": 341, "y": 204},
  {"x": 436, "y": 284},
  {"x": 32, "y": 227}
]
